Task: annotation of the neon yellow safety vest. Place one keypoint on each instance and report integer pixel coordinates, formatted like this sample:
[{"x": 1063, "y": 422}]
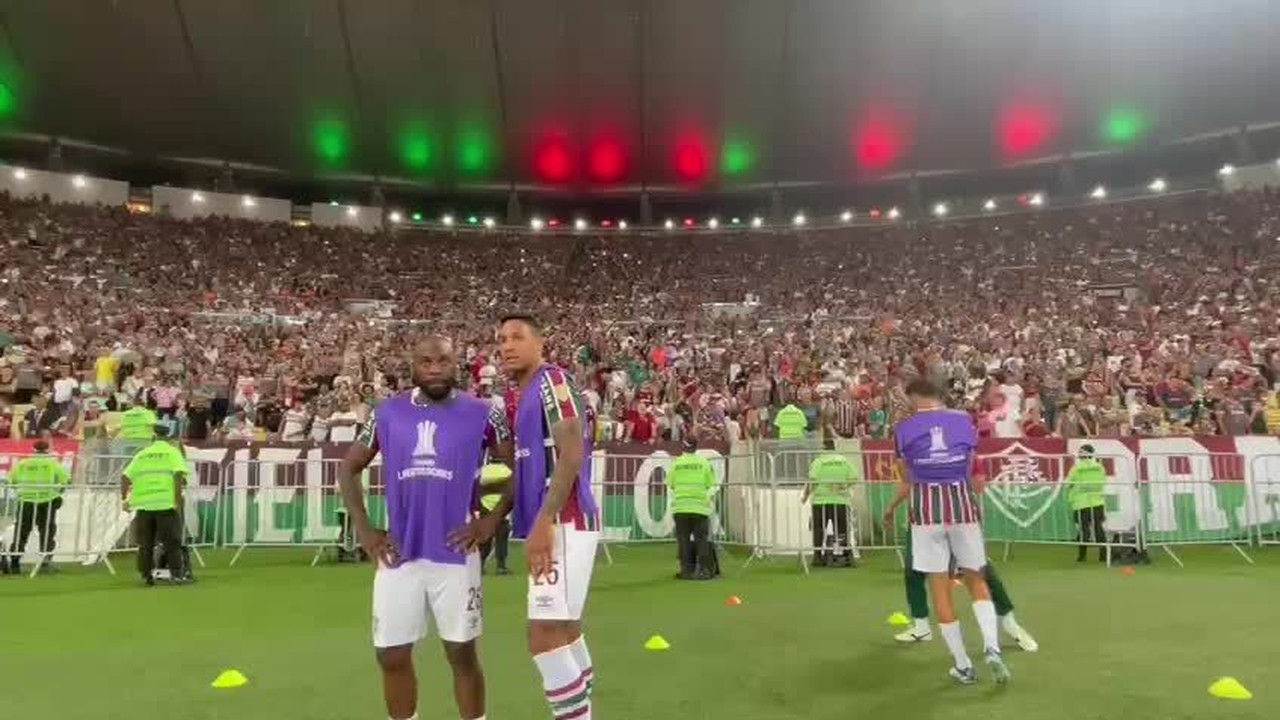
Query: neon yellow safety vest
[
  {"x": 138, "y": 424},
  {"x": 791, "y": 423},
  {"x": 153, "y": 477},
  {"x": 691, "y": 480},
  {"x": 491, "y": 475},
  {"x": 39, "y": 479},
  {"x": 832, "y": 474}
]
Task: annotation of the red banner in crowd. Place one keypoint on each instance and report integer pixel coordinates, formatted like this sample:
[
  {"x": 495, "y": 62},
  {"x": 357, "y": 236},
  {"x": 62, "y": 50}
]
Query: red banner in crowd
[{"x": 12, "y": 451}]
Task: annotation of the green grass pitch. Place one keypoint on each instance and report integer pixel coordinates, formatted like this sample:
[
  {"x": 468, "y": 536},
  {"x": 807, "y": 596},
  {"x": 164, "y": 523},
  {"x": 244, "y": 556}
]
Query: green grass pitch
[{"x": 83, "y": 644}]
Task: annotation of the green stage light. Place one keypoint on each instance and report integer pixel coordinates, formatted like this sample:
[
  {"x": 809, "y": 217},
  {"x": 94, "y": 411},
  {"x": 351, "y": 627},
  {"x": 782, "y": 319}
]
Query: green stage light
[
  {"x": 1123, "y": 125},
  {"x": 474, "y": 150},
  {"x": 8, "y": 101},
  {"x": 331, "y": 141},
  {"x": 736, "y": 157},
  {"x": 417, "y": 217},
  {"x": 417, "y": 147}
]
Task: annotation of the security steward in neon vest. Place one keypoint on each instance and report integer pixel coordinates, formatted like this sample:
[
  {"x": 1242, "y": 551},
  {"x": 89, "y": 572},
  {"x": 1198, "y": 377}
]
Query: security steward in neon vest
[
  {"x": 39, "y": 481},
  {"x": 831, "y": 478},
  {"x": 152, "y": 488},
  {"x": 494, "y": 479},
  {"x": 691, "y": 484}
]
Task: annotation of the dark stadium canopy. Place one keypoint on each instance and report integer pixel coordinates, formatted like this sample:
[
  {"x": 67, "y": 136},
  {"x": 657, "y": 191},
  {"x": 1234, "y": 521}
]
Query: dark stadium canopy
[{"x": 592, "y": 95}]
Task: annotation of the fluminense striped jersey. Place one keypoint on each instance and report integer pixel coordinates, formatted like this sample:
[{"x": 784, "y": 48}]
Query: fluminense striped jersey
[
  {"x": 937, "y": 451},
  {"x": 943, "y": 505},
  {"x": 550, "y": 397}
]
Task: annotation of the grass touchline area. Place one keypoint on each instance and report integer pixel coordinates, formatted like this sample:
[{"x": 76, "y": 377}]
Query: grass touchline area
[{"x": 85, "y": 644}]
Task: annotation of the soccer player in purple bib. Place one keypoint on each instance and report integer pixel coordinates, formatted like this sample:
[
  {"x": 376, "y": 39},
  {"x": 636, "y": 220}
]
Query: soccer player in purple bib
[
  {"x": 936, "y": 448},
  {"x": 556, "y": 514},
  {"x": 434, "y": 441}
]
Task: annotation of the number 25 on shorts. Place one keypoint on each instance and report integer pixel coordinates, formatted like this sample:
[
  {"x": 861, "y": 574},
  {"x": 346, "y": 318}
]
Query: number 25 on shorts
[{"x": 551, "y": 577}]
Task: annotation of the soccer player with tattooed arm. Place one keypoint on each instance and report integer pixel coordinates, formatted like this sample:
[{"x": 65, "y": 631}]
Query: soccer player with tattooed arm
[{"x": 555, "y": 512}]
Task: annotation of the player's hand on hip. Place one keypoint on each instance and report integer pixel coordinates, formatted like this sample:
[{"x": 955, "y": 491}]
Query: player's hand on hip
[
  {"x": 378, "y": 546},
  {"x": 537, "y": 547},
  {"x": 886, "y": 521},
  {"x": 473, "y": 534}
]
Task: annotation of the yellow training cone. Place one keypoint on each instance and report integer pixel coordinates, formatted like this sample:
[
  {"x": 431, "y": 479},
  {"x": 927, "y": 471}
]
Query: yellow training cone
[
  {"x": 657, "y": 642},
  {"x": 899, "y": 620},
  {"x": 1229, "y": 688},
  {"x": 229, "y": 679}
]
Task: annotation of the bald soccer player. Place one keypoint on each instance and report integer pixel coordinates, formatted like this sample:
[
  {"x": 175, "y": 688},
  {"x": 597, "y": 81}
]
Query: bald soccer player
[{"x": 434, "y": 440}]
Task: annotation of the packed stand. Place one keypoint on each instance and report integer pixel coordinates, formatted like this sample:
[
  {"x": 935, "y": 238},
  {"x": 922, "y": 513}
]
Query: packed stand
[{"x": 1151, "y": 318}]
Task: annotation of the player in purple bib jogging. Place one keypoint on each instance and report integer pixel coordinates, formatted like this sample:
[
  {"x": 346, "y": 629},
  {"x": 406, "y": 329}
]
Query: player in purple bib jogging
[
  {"x": 936, "y": 447},
  {"x": 556, "y": 514},
  {"x": 434, "y": 441}
]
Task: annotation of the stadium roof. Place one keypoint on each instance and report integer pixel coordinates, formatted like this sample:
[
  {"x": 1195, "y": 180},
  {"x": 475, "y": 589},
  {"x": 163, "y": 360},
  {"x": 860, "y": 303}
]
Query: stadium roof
[{"x": 586, "y": 95}]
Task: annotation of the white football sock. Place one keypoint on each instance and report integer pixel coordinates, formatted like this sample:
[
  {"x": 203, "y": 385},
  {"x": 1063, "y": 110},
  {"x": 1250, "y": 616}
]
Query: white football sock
[
  {"x": 564, "y": 684},
  {"x": 1009, "y": 624},
  {"x": 985, "y": 612},
  {"x": 582, "y": 656},
  {"x": 922, "y": 627},
  {"x": 955, "y": 643},
  {"x": 413, "y": 717}
]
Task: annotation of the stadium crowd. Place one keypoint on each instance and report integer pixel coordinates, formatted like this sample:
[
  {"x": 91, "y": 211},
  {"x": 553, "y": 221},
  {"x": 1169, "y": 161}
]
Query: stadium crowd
[{"x": 1152, "y": 317}]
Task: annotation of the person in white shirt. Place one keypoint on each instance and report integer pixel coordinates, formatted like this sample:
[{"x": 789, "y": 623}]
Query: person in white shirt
[
  {"x": 488, "y": 373},
  {"x": 485, "y": 392},
  {"x": 593, "y": 400},
  {"x": 1011, "y": 423},
  {"x": 294, "y": 426},
  {"x": 342, "y": 424},
  {"x": 62, "y": 388},
  {"x": 238, "y": 427},
  {"x": 732, "y": 430},
  {"x": 320, "y": 424}
]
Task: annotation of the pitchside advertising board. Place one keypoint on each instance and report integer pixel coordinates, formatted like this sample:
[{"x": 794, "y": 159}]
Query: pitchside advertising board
[{"x": 1191, "y": 489}]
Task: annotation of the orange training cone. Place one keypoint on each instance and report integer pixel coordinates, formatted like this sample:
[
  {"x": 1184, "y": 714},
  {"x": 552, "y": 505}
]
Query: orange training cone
[{"x": 733, "y": 600}]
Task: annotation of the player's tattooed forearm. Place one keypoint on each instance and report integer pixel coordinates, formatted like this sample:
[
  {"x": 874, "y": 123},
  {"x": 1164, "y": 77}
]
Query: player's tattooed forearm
[{"x": 568, "y": 439}]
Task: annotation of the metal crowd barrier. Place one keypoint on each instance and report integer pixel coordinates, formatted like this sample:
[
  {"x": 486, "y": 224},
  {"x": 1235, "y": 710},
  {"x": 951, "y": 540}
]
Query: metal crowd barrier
[
  {"x": 1159, "y": 501},
  {"x": 1265, "y": 498},
  {"x": 1200, "y": 499}
]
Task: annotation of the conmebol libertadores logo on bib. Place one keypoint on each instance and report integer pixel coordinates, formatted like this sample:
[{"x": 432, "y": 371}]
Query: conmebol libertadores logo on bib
[{"x": 1021, "y": 483}]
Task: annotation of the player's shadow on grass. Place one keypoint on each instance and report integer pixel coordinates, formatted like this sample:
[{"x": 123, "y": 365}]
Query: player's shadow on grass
[{"x": 894, "y": 680}]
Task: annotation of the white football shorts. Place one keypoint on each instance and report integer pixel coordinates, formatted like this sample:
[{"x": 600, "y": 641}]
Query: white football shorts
[
  {"x": 408, "y": 597},
  {"x": 562, "y": 593},
  {"x": 933, "y": 547}
]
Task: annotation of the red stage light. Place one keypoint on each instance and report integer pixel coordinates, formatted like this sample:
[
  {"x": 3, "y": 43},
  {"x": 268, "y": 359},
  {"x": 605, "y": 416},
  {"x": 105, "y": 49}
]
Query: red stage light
[
  {"x": 606, "y": 161},
  {"x": 688, "y": 222},
  {"x": 552, "y": 161},
  {"x": 875, "y": 212},
  {"x": 553, "y": 222},
  {"x": 606, "y": 223},
  {"x": 879, "y": 139},
  {"x": 692, "y": 158},
  {"x": 1024, "y": 127}
]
